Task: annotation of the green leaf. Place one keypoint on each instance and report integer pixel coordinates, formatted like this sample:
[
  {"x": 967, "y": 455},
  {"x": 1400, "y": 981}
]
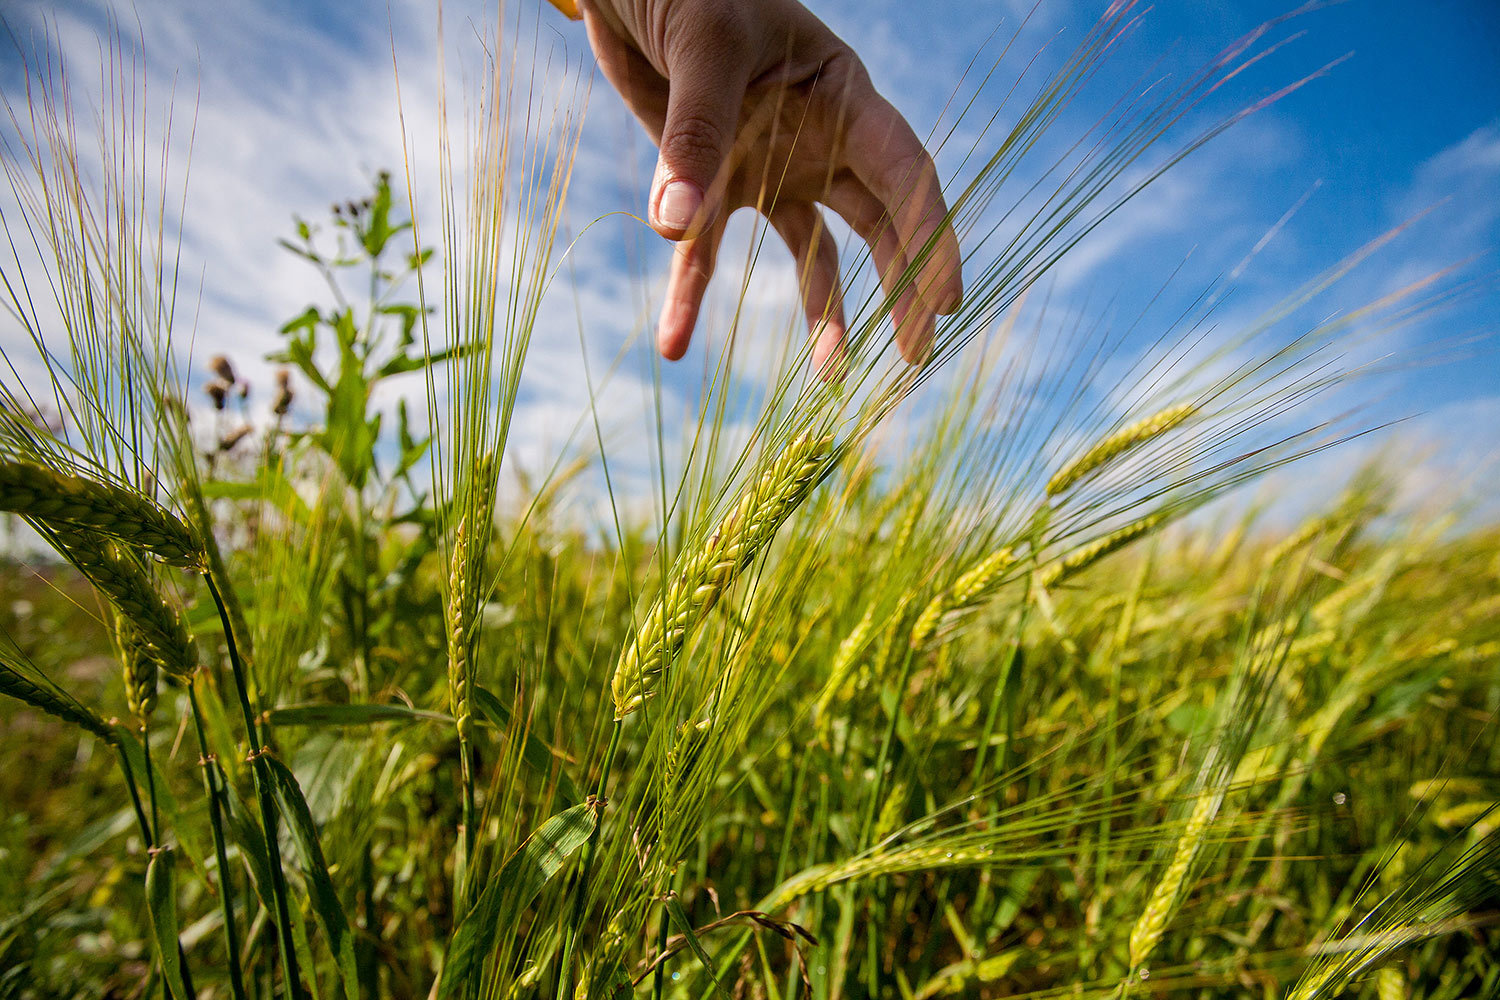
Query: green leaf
[
  {"x": 351, "y": 715},
  {"x": 679, "y": 917},
  {"x": 325, "y": 900},
  {"x": 403, "y": 363},
  {"x": 300, "y": 252},
  {"x": 409, "y": 315},
  {"x": 534, "y": 752},
  {"x": 161, "y": 902},
  {"x": 347, "y": 434},
  {"x": 512, "y": 889},
  {"x": 188, "y": 835},
  {"x": 412, "y": 449},
  {"x": 245, "y": 831}
]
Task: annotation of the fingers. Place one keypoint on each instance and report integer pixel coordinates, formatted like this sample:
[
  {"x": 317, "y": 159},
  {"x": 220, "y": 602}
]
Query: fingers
[
  {"x": 914, "y": 321},
  {"x": 890, "y": 161},
  {"x": 693, "y": 264},
  {"x": 708, "y": 69},
  {"x": 802, "y": 227}
]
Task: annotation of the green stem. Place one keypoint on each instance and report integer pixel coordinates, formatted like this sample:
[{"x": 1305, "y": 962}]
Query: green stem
[
  {"x": 586, "y": 868},
  {"x": 221, "y": 853},
  {"x": 150, "y": 781},
  {"x": 469, "y": 822},
  {"x": 262, "y": 774},
  {"x": 659, "y": 977},
  {"x": 148, "y": 834}
]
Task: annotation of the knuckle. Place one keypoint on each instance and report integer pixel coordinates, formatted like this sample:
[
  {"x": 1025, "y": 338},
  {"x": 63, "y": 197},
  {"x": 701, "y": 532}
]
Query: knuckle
[{"x": 694, "y": 140}]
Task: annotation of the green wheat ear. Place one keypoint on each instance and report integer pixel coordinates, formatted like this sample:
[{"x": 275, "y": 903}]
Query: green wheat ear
[
  {"x": 977, "y": 583},
  {"x": 158, "y": 627},
  {"x": 63, "y": 501},
  {"x": 1111, "y": 447},
  {"x": 460, "y": 677},
  {"x": 140, "y": 668},
  {"x": 1085, "y": 556},
  {"x": 706, "y": 573},
  {"x": 17, "y": 685}
]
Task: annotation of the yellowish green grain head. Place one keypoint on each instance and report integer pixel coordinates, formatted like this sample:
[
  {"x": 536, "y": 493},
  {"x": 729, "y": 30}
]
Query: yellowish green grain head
[
  {"x": 1109, "y": 448},
  {"x": 707, "y": 572}
]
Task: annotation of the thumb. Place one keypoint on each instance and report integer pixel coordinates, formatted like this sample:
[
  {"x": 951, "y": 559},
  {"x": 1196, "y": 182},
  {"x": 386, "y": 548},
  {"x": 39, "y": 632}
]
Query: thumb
[{"x": 707, "y": 76}]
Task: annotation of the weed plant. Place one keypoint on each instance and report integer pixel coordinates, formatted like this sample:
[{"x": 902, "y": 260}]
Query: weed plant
[{"x": 342, "y": 703}]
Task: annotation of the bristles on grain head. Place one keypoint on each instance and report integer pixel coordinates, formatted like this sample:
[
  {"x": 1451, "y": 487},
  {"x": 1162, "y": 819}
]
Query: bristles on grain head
[
  {"x": 158, "y": 625},
  {"x": 705, "y": 574},
  {"x": 58, "y": 500},
  {"x": 1113, "y": 446},
  {"x": 1082, "y": 558}
]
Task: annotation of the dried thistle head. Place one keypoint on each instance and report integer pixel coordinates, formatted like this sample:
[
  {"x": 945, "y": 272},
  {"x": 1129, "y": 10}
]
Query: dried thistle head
[
  {"x": 218, "y": 392},
  {"x": 220, "y": 366},
  {"x": 283, "y": 401},
  {"x": 234, "y": 437}
]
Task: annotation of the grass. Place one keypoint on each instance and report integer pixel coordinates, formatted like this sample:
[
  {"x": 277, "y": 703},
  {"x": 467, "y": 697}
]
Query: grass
[{"x": 1007, "y": 709}]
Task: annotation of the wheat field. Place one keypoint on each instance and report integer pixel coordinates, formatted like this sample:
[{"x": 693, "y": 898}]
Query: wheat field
[{"x": 945, "y": 680}]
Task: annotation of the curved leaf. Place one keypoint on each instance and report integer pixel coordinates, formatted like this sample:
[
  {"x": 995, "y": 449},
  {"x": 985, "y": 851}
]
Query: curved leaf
[
  {"x": 325, "y": 899},
  {"x": 514, "y": 888},
  {"x": 161, "y": 902}
]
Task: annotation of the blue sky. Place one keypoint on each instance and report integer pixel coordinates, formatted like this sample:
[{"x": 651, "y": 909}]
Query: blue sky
[{"x": 294, "y": 107}]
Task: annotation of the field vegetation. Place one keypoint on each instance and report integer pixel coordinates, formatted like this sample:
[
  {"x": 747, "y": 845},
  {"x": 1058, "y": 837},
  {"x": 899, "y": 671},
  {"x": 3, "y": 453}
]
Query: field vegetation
[{"x": 959, "y": 679}]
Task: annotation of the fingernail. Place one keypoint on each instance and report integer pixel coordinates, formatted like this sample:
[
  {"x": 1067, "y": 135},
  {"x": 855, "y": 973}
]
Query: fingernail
[
  {"x": 678, "y": 205},
  {"x": 950, "y": 303}
]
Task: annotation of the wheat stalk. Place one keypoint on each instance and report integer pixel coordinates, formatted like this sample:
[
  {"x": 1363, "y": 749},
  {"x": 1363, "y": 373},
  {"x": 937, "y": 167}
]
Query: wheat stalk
[
  {"x": 59, "y": 500},
  {"x": 704, "y": 576},
  {"x": 1114, "y": 445}
]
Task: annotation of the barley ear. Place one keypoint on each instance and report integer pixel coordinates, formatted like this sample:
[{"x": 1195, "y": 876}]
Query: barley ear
[
  {"x": 460, "y": 677},
  {"x": 139, "y": 667},
  {"x": 1109, "y": 448},
  {"x": 977, "y": 583},
  {"x": 1162, "y": 904},
  {"x": 14, "y": 682},
  {"x": 838, "y": 685},
  {"x": 706, "y": 573},
  {"x": 157, "y": 626},
  {"x": 1085, "y": 556},
  {"x": 59, "y": 500}
]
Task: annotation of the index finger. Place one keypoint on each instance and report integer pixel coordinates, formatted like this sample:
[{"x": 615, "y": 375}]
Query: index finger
[{"x": 886, "y": 155}]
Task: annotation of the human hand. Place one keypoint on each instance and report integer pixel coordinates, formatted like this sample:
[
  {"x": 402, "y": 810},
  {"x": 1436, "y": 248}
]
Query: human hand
[{"x": 756, "y": 103}]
